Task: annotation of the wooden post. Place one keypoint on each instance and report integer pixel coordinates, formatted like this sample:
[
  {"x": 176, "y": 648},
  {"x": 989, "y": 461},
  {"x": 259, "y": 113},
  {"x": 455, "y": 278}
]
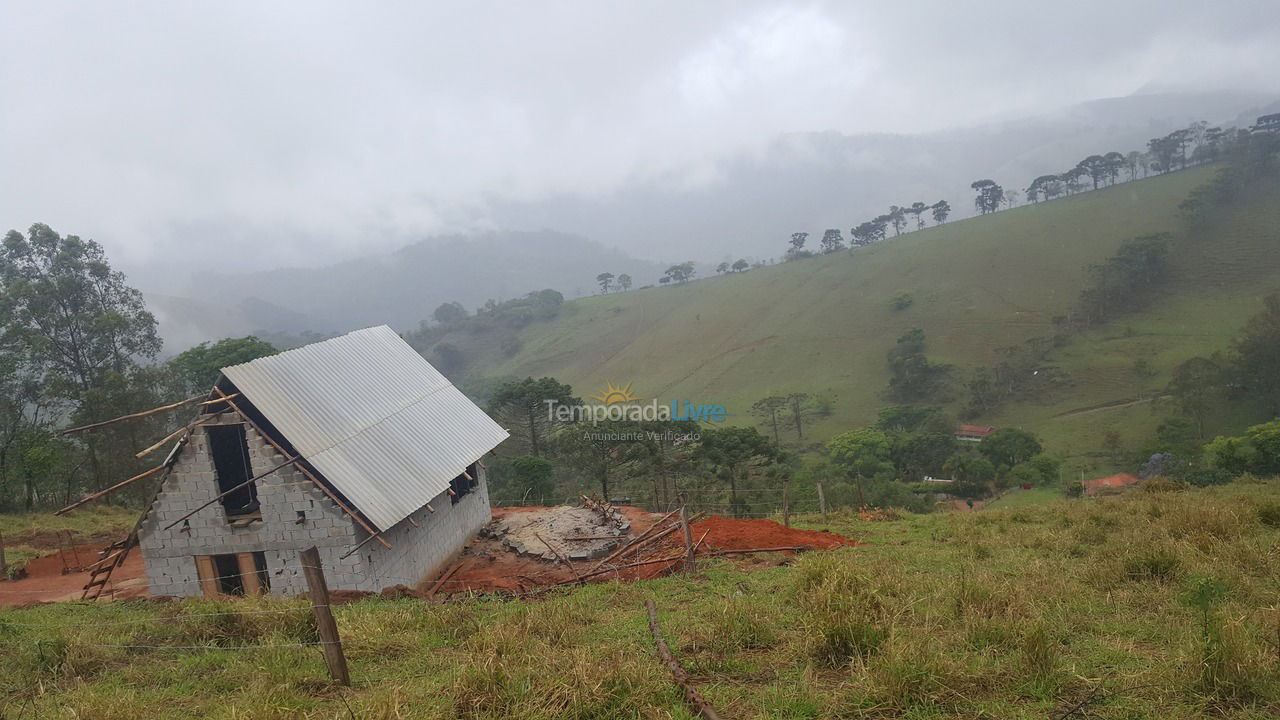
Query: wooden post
[
  {"x": 688, "y": 537},
  {"x": 4, "y": 565},
  {"x": 208, "y": 576},
  {"x": 319, "y": 591},
  {"x": 822, "y": 503},
  {"x": 786, "y": 502}
]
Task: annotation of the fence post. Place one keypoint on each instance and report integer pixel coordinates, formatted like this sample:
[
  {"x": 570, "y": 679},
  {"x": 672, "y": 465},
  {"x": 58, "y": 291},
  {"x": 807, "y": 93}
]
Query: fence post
[
  {"x": 319, "y": 592},
  {"x": 688, "y": 536},
  {"x": 822, "y": 503},
  {"x": 4, "y": 565}
]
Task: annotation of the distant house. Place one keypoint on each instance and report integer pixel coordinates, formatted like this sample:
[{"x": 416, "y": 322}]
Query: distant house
[
  {"x": 931, "y": 479},
  {"x": 354, "y": 445},
  {"x": 1114, "y": 483},
  {"x": 973, "y": 433}
]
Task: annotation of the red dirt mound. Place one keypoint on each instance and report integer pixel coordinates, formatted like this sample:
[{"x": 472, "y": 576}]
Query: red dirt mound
[{"x": 745, "y": 534}]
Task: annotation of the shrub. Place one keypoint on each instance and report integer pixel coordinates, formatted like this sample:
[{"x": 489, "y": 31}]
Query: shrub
[
  {"x": 1160, "y": 564},
  {"x": 1204, "y": 477},
  {"x": 1269, "y": 514}
]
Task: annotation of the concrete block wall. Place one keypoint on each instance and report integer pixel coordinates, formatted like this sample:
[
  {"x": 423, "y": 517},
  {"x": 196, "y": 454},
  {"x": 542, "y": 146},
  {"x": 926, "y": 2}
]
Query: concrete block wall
[
  {"x": 419, "y": 552},
  {"x": 416, "y": 552},
  {"x": 169, "y": 555}
]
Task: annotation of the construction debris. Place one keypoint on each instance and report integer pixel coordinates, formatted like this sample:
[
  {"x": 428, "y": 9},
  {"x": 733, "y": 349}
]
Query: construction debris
[{"x": 579, "y": 533}]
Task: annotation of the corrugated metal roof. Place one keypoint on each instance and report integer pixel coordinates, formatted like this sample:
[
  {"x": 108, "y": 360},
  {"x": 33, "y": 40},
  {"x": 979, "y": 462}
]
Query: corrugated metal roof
[{"x": 379, "y": 423}]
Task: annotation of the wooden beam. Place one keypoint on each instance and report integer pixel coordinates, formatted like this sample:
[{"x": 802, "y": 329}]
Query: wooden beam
[
  {"x": 249, "y": 574},
  {"x": 323, "y": 488},
  {"x": 113, "y": 488},
  {"x": 131, "y": 416},
  {"x": 199, "y": 422},
  {"x": 691, "y": 695}
]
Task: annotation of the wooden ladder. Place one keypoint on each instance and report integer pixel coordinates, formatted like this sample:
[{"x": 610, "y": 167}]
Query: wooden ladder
[{"x": 112, "y": 557}]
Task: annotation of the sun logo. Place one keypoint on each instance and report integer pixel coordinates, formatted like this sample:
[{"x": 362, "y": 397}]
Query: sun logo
[{"x": 613, "y": 394}]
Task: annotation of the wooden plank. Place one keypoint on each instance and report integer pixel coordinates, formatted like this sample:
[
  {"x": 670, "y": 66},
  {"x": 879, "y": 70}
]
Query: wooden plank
[
  {"x": 131, "y": 416},
  {"x": 176, "y": 433},
  {"x": 249, "y": 574},
  {"x": 207, "y": 573},
  {"x": 330, "y": 642},
  {"x": 113, "y": 488}
]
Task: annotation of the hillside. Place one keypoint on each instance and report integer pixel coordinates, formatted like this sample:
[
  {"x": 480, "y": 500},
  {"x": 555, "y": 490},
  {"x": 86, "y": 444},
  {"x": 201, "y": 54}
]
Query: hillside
[
  {"x": 823, "y": 325},
  {"x": 398, "y": 288}
]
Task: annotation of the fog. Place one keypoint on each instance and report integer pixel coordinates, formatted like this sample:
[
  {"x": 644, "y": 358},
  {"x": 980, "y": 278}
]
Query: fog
[{"x": 188, "y": 136}]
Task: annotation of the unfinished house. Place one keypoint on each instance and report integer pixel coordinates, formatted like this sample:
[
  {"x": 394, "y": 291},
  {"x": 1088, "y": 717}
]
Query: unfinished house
[{"x": 355, "y": 445}]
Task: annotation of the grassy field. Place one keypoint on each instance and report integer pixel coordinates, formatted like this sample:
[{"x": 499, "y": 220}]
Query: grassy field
[
  {"x": 823, "y": 325},
  {"x": 1150, "y": 605}
]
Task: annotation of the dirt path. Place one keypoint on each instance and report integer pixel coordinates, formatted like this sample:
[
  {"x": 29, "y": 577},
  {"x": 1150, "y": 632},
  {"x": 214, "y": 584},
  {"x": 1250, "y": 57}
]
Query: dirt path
[{"x": 45, "y": 581}]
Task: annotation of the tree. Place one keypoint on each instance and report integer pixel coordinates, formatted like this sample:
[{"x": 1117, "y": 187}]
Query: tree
[
  {"x": 973, "y": 475},
  {"x": 605, "y": 280},
  {"x": 770, "y": 410},
  {"x": 801, "y": 407},
  {"x": 197, "y": 368},
  {"x": 897, "y": 218},
  {"x": 1114, "y": 162},
  {"x": 1007, "y": 447},
  {"x": 903, "y": 418},
  {"x": 85, "y": 331},
  {"x": 1196, "y": 385},
  {"x": 863, "y": 234},
  {"x": 941, "y": 210},
  {"x": 450, "y": 314},
  {"x": 1256, "y": 354},
  {"x": 989, "y": 196},
  {"x": 911, "y": 375},
  {"x": 732, "y": 452},
  {"x": 1132, "y": 162},
  {"x": 923, "y": 453},
  {"x": 601, "y": 453},
  {"x": 864, "y": 453},
  {"x": 740, "y": 265},
  {"x": 1095, "y": 166},
  {"x": 798, "y": 239},
  {"x": 832, "y": 240},
  {"x": 533, "y": 476},
  {"x": 722, "y": 268},
  {"x": 1142, "y": 371},
  {"x": 448, "y": 358},
  {"x": 522, "y": 407},
  {"x": 679, "y": 274},
  {"x": 624, "y": 282},
  {"x": 917, "y": 208}
]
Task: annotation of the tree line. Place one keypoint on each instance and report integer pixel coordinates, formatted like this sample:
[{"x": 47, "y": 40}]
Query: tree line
[
  {"x": 871, "y": 231},
  {"x": 78, "y": 346}
]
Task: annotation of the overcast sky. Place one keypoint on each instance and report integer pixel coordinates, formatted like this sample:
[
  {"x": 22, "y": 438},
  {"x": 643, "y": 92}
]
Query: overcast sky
[{"x": 305, "y": 130}]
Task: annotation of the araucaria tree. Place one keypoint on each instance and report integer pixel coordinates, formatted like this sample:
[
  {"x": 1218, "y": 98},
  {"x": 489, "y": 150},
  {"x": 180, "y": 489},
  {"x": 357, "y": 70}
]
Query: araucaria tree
[
  {"x": 832, "y": 240},
  {"x": 679, "y": 274},
  {"x": 941, "y": 210},
  {"x": 522, "y": 407},
  {"x": 606, "y": 282},
  {"x": 732, "y": 452},
  {"x": 989, "y": 196}
]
